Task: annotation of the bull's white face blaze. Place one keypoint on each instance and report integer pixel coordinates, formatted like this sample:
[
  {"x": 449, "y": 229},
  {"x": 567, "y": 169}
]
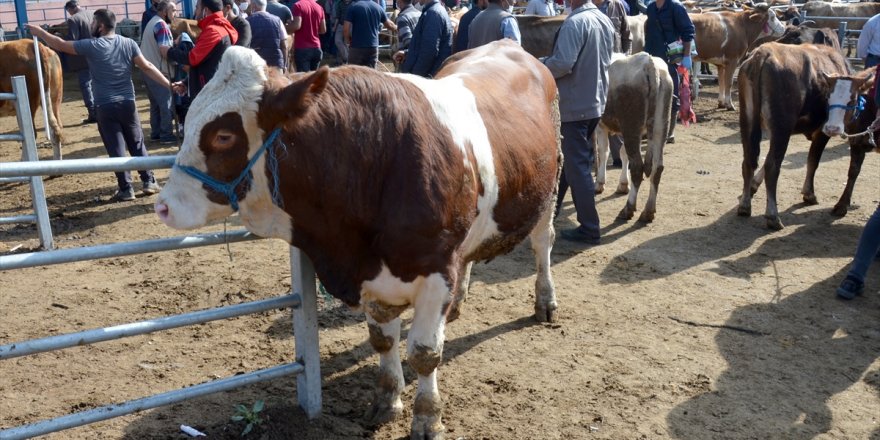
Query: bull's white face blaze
[
  {"x": 236, "y": 88},
  {"x": 841, "y": 95}
]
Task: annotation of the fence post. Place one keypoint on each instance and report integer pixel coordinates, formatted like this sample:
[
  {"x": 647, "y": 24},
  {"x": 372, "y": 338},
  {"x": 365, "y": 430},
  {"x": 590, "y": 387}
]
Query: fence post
[
  {"x": 841, "y": 33},
  {"x": 305, "y": 332},
  {"x": 29, "y": 153}
]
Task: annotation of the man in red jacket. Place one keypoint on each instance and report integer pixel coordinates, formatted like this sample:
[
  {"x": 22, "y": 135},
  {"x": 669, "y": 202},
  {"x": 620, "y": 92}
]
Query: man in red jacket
[{"x": 203, "y": 57}]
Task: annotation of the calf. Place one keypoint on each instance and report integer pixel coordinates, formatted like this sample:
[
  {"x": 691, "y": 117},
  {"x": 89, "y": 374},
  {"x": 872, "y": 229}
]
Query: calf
[
  {"x": 391, "y": 184},
  {"x": 639, "y": 100},
  {"x": 724, "y": 38},
  {"x": 818, "y": 93},
  {"x": 18, "y": 59}
]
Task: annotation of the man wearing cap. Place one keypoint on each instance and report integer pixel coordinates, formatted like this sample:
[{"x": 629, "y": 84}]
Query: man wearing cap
[
  {"x": 157, "y": 34},
  {"x": 79, "y": 27}
]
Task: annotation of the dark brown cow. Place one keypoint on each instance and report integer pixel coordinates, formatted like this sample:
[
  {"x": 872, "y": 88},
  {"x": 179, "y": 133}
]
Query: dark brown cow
[
  {"x": 538, "y": 33},
  {"x": 788, "y": 89},
  {"x": 724, "y": 38},
  {"x": 808, "y": 35},
  {"x": 391, "y": 184},
  {"x": 18, "y": 59}
]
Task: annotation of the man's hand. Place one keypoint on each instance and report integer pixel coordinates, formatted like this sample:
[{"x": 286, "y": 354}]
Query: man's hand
[
  {"x": 36, "y": 30},
  {"x": 687, "y": 63},
  {"x": 399, "y": 56},
  {"x": 179, "y": 87}
]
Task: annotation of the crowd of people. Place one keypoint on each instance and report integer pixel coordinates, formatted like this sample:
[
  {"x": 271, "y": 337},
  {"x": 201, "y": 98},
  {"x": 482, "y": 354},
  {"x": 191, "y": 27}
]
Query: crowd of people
[{"x": 349, "y": 29}]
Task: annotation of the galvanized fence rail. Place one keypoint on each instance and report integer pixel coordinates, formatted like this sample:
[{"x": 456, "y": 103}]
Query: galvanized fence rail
[
  {"x": 29, "y": 153},
  {"x": 303, "y": 300}
]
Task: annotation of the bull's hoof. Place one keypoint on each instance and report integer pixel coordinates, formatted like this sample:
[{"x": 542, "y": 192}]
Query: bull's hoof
[
  {"x": 730, "y": 107},
  {"x": 546, "y": 313},
  {"x": 646, "y": 217},
  {"x": 622, "y": 189},
  {"x": 626, "y": 213},
  {"x": 382, "y": 411},
  {"x": 426, "y": 434},
  {"x": 774, "y": 223},
  {"x": 810, "y": 199},
  {"x": 744, "y": 211},
  {"x": 426, "y": 424},
  {"x": 840, "y": 210},
  {"x": 600, "y": 188}
]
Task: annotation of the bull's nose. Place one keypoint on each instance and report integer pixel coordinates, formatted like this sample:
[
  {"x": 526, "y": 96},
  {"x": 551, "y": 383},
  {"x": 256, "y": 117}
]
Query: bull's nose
[
  {"x": 832, "y": 130},
  {"x": 162, "y": 211}
]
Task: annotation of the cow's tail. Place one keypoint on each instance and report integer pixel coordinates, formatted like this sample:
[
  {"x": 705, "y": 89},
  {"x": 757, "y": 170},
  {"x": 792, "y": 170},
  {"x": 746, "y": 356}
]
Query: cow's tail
[
  {"x": 51, "y": 66},
  {"x": 661, "y": 97}
]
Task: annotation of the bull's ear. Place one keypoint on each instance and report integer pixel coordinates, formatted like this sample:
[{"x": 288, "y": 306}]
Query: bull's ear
[
  {"x": 826, "y": 78},
  {"x": 294, "y": 100}
]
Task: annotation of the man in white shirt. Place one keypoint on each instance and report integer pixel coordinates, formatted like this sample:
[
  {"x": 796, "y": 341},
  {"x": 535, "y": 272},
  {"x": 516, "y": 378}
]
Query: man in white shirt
[
  {"x": 868, "y": 48},
  {"x": 546, "y": 8}
]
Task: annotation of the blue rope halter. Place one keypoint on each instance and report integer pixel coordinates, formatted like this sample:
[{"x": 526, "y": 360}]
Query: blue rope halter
[
  {"x": 228, "y": 189},
  {"x": 858, "y": 107}
]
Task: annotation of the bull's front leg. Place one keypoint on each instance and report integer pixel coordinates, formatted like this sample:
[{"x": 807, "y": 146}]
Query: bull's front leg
[
  {"x": 384, "y": 326},
  {"x": 424, "y": 351},
  {"x": 857, "y": 157}
]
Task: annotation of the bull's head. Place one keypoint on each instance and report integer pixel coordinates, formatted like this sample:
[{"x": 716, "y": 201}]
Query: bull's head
[
  {"x": 221, "y": 165},
  {"x": 844, "y": 97},
  {"x": 772, "y": 26}
]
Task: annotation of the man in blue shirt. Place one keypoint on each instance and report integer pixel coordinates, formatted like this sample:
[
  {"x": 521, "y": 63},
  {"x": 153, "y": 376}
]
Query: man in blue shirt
[
  {"x": 431, "y": 42},
  {"x": 361, "y": 32},
  {"x": 668, "y": 22}
]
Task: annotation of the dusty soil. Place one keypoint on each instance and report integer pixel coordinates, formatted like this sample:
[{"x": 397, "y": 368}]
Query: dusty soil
[{"x": 700, "y": 325}]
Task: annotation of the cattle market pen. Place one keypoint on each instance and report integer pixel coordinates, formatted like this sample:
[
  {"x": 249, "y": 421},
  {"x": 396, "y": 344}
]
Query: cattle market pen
[{"x": 302, "y": 299}]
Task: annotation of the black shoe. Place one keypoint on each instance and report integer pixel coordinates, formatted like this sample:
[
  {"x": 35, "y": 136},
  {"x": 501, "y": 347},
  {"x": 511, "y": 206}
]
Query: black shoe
[
  {"x": 576, "y": 235},
  {"x": 168, "y": 141},
  {"x": 850, "y": 288},
  {"x": 617, "y": 163},
  {"x": 154, "y": 137},
  {"x": 89, "y": 120}
]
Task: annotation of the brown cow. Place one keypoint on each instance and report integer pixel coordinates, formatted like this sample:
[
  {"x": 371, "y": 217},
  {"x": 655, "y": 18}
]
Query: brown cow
[
  {"x": 788, "y": 89},
  {"x": 724, "y": 38},
  {"x": 18, "y": 59},
  {"x": 804, "y": 35},
  {"x": 824, "y": 9},
  {"x": 181, "y": 25},
  {"x": 424, "y": 177}
]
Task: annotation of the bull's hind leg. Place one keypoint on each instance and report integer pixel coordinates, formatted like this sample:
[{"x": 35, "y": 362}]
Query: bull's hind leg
[
  {"x": 459, "y": 295},
  {"x": 654, "y": 162},
  {"x": 637, "y": 174},
  {"x": 813, "y": 158},
  {"x": 542, "y": 238},
  {"x": 424, "y": 351},
  {"x": 384, "y": 325},
  {"x": 602, "y": 148}
]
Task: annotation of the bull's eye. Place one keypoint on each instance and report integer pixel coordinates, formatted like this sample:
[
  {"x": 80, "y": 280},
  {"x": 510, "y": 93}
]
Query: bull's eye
[{"x": 224, "y": 139}]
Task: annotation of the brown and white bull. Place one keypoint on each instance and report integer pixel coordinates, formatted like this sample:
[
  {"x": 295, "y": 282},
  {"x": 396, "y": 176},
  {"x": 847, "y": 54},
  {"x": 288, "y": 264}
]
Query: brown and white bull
[
  {"x": 18, "y": 59},
  {"x": 639, "y": 100},
  {"x": 391, "y": 184},
  {"x": 806, "y": 89},
  {"x": 724, "y": 38}
]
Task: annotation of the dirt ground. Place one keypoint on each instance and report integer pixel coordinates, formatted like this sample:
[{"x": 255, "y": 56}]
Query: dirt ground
[{"x": 701, "y": 325}]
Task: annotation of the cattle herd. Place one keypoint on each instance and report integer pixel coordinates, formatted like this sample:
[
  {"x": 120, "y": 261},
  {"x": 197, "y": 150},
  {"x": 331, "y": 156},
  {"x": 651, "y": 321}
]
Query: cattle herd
[{"x": 395, "y": 206}]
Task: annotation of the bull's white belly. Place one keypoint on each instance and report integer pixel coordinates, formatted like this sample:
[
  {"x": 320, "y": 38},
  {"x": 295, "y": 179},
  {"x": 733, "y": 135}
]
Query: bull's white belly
[{"x": 456, "y": 108}]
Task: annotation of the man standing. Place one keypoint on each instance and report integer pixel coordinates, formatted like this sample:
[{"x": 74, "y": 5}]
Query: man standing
[
  {"x": 157, "y": 35},
  {"x": 308, "y": 23},
  {"x": 79, "y": 27},
  {"x": 283, "y": 13},
  {"x": 431, "y": 42},
  {"x": 668, "y": 35},
  {"x": 340, "y": 8},
  {"x": 361, "y": 31},
  {"x": 110, "y": 59},
  {"x": 462, "y": 36},
  {"x": 238, "y": 21},
  {"x": 579, "y": 63},
  {"x": 204, "y": 57},
  {"x": 406, "y": 22},
  {"x": 269, "y": 38},
  {"x": 616, "y": 12},
  {"x": 493, "y": 24},
  {"x": 545, "y": 8},
  {"x": 868, "y": 49}
]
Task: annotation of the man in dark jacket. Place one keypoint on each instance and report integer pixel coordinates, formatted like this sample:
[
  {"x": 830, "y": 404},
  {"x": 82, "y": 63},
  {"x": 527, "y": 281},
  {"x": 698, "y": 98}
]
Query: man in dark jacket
[
  {"x": 431, "y": 42},
  {"x": 461, "y": 38},
  {"x": 668, "y": 22},
  {"x": 241, "y": 25},
  {"x": 204, "y": 57},
  {"x": 79, "y": 27}
]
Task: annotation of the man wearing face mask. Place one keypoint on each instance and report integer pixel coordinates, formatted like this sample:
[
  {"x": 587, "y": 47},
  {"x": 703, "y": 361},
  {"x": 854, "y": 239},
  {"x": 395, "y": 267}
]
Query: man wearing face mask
[
  {"x": 431, "y": 41},
  {"x": 157, "y": 35},
  {"x": 493, "y": 24},
  {"x": 111, "y": 58},
  {"x": 217, "y": 35}
]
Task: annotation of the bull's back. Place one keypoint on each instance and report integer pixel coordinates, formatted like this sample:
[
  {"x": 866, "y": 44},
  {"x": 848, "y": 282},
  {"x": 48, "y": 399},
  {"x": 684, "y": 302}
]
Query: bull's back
[{"x": 18, "y": 59}]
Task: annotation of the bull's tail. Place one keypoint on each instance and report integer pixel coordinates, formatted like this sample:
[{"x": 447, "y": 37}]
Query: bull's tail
[
  {"x": 661, "y": 98},
  {"x": 52, "y": 83}
]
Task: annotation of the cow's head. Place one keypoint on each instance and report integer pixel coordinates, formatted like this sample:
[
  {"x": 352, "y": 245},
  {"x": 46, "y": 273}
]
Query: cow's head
[
  {"x": 843, "y": 97},
  {"x": 772, "y": 26},
  {"x": 224, "y": 130}
]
